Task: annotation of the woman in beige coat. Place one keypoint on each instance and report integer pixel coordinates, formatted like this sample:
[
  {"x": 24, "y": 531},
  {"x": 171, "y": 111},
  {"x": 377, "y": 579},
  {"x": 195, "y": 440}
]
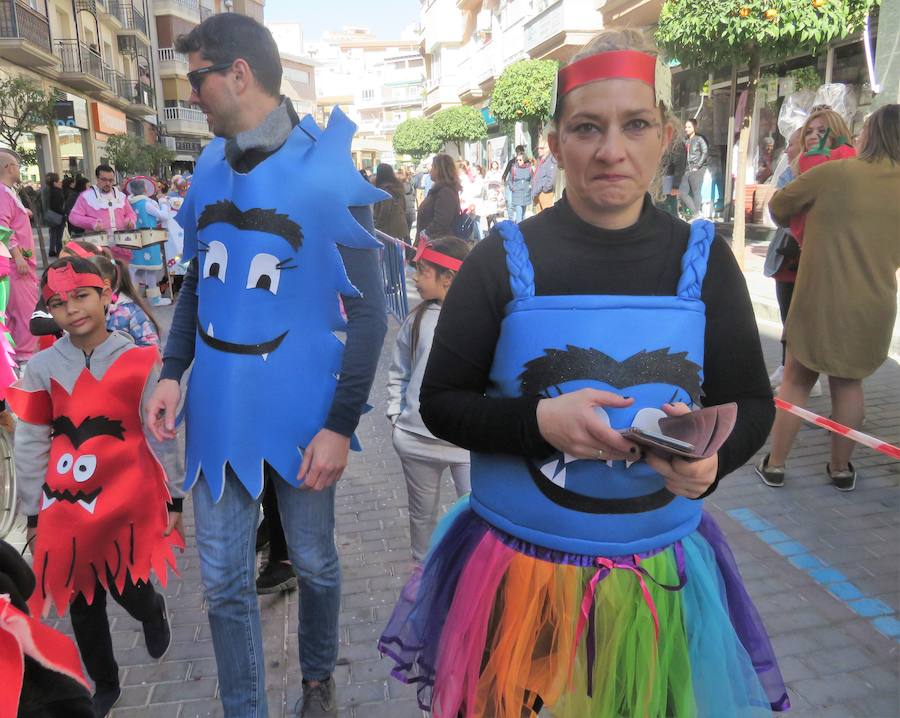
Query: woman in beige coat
[{"x": 845, "y": 299}]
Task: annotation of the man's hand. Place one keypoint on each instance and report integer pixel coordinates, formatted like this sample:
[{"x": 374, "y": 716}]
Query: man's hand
[
  {"x": 684, "y": 477},
  {"x": 129, "y": 224},
  {"x": 175, "y": 524},
  {"x": 324, "y": 460},
  {"x": 569, "y": 423},
  {"x": 98, "y": 226},
  {"x": 161, "y": 409}
]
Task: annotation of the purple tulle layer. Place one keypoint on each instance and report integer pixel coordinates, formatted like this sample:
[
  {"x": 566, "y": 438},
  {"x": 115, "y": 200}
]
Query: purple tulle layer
[{"x": 412, "y": 635}]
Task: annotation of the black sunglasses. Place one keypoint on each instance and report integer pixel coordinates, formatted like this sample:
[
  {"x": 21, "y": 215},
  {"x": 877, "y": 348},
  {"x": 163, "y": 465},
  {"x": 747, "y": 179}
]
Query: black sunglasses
[{"x": 196, "y": 77}]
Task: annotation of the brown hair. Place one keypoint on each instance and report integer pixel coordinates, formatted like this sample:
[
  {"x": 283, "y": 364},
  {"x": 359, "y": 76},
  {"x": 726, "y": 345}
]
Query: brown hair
[
  {"x": 444, "y": 170},
  {"x": 116, "y": 273},
  {"x": 837, "y": 129},
  {"x": 614, "y": 39},
  {"x": 881, "y": 138},
  {"x": 452, "y": 247}
]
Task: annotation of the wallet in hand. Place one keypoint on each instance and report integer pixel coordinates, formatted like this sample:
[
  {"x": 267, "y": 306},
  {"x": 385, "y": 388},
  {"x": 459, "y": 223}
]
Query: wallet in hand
[{"x": 697, "y": 435}]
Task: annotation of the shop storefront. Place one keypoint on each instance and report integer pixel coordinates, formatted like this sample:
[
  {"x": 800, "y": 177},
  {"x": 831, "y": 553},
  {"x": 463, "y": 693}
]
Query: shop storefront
[
  {"x": 107, "y": 121},
  {"x": 72, "y": 128}
]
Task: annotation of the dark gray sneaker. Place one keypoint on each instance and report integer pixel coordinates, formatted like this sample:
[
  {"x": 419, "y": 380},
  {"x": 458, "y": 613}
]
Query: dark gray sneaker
[
  {"x": 842, "y": 480},
  {"x": 771, "y": 475},
  {"x": 318, "y": 700}
]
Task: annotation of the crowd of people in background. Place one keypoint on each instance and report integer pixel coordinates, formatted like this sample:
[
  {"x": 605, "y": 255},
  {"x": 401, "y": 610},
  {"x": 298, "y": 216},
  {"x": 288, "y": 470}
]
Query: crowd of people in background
[{"x": 444, "y": 196}]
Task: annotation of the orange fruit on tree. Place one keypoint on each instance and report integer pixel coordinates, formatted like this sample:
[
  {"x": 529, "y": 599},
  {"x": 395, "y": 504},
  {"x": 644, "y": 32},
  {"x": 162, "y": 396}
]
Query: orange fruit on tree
[{"x": 744, "y": 12}]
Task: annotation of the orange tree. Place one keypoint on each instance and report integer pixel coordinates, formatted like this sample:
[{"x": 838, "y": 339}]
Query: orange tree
[{"x": 523, "y": 94}]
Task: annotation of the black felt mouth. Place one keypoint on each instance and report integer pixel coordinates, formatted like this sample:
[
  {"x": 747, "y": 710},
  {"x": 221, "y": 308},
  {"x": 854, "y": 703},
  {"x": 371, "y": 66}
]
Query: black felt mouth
[
  {"x": 234, "y": 348},
  {"x": 69, "y": 497},
  {"x": 593, "y": 505}
]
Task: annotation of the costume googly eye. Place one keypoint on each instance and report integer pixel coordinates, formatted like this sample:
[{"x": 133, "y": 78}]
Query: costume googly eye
[
  {"x": 264, "y": 273},
  {"x": 216, "y": 264},
  {"x": 64, "y": 464},
  {"x": 648, "y": 420},
  {"x": 85, "y": 466}
]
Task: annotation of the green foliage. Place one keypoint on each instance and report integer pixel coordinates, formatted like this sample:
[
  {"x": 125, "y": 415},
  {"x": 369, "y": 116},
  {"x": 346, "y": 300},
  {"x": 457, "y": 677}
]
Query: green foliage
[
  {"x": 523, "y": 91},
  {"x": 459, "y": 124},
  {"x": 705, "y": 33},
  {"x": 24, "y": 106},
  {"x": 130, "y": 155},
  {"x": 416, "y": 137},
  {"x": 805, "y": 78}
]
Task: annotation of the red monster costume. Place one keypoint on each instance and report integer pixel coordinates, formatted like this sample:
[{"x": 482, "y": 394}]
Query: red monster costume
[{"x": 104, "y": 504}]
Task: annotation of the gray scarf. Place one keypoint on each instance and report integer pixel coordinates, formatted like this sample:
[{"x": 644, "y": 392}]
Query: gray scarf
[{"x": 267, "y": 136}]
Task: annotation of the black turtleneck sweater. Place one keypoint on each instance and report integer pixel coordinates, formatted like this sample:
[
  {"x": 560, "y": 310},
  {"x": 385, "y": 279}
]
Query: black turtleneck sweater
[{"x": 571, "y": 256}]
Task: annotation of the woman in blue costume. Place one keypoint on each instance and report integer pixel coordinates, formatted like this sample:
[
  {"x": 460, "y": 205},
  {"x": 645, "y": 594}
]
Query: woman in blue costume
[{"x": 583, "y": 575}]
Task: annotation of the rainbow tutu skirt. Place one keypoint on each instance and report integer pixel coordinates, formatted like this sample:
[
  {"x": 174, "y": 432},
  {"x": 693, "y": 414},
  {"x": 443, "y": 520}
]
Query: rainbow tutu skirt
[{"x": 494, "y": 627}]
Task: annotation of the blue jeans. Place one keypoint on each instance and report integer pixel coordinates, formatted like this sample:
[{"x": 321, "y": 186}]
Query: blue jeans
[
  {"x": 518, "y": 212},
  {"x": 226, "y": 540}
]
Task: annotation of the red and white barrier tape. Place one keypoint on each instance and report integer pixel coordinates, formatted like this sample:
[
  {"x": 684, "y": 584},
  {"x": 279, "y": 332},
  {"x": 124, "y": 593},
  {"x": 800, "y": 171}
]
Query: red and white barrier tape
[{"x": 857, "y": 436}]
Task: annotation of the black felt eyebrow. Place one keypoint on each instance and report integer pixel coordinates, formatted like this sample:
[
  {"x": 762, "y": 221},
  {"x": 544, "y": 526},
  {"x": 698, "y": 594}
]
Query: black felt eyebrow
[
  {"x": 89, "y": 428},
  {"x": 256, "y": 219},
  {"x": 558, "y": 366}
]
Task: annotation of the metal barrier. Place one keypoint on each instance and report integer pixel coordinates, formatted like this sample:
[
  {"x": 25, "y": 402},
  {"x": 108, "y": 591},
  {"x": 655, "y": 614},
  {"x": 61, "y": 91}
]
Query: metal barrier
[{"x": 393, "y": 272}]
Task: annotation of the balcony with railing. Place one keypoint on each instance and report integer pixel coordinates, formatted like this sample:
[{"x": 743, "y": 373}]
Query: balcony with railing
[
  {"x": 185, "y": 121},
  {"x": 82, "y": 67},
  {"x": 190, "y": 147},
  {"x": 172, "y": 62},
  {"x": 24, "y": 35},
  {"x": 131, "y": 18},
  {"x": 560, "y": 28},
  {"x": 189, "y": 10},
  {"x": 140, "y": 97}
]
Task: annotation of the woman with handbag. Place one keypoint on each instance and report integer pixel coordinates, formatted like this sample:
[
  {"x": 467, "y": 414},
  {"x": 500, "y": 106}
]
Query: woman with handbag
[{"x": 54, "y": 211}]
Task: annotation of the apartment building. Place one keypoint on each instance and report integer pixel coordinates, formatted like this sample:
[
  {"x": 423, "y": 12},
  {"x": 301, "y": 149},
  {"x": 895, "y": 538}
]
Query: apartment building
[
  {"x": 377, "y": 83},
  {"x": 466, "y": 44},
  {"x": 184, "y": 126},
  {"x": 96, "y": 56}
]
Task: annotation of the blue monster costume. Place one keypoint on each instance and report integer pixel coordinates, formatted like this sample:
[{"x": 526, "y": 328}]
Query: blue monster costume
[
  {"x": 650, "y": 348},
  {"x": 270, "y": 275}
]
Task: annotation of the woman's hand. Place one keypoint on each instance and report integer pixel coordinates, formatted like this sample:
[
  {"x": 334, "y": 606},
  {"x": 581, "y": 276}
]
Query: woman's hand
[
  {"x": 570, "y": 424},
  {"x": 684, "y": 477}
]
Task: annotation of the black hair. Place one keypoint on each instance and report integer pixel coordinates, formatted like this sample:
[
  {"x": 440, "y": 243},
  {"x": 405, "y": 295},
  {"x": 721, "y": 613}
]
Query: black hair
[
  {"x": 228, "y": 36},
  {"x": 120, "y": 282},
  {"x": 452, "y": 247},
  {"x": 81, "y": 183},
  {"x": 103, "y": 168},
  {"x": 81, "y": 266},
  {"x": 660, "y": 366},
  {"x": 50, "y": 178},
  {"x": 256, "y": 220}
]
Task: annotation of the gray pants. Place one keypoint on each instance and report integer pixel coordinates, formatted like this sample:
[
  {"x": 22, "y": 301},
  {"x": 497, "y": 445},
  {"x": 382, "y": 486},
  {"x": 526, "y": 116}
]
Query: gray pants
[
  {"x": 424, "y": 461},
  {"x": 690, "y": 190}
]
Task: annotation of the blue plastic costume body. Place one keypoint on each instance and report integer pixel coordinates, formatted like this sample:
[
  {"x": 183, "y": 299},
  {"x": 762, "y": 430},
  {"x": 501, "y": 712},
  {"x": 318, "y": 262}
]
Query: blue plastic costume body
[
  {"x": 647, "y": 347},
  {"x": 148, "y": 257},
  {"x": 267, "y": 360}
]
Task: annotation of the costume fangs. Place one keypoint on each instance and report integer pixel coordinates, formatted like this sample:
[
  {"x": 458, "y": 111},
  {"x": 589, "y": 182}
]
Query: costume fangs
[{"x": 270, "y": 276}]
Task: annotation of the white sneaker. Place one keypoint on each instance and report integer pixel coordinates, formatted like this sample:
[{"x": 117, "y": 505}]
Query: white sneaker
[
  {"x": 160, "y": 301},
  {"x": 776, "y": 377},
  {"x": 816, "y": 389}
]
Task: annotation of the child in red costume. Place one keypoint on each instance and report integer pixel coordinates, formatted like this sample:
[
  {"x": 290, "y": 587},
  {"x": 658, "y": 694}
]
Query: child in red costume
[{"x": 94, "y": 492}]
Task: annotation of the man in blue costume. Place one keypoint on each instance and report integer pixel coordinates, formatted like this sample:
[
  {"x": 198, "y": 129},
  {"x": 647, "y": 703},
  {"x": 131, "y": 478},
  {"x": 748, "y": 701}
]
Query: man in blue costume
[{"x": 277, "y": 225}]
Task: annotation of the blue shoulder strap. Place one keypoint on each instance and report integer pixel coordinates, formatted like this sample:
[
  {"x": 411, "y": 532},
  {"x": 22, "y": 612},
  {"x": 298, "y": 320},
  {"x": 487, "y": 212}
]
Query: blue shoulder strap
[
  {"x": 521, "y": 273},
  {"x": 694, "y": 261}
]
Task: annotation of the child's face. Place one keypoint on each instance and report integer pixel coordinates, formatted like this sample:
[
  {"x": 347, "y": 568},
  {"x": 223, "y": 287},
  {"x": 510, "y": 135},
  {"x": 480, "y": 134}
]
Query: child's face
[
  {"x": 82, "y": 313},
  {"x": 429, "y": 283}
]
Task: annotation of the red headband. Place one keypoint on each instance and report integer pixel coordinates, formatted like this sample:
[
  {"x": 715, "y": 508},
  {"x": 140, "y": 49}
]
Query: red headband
[
  {"x": 426, "y": 253},
  {"x": 65, "y": 279},
  {"x": 617, "y": 64},
  {"x": 78, "y": 250}
]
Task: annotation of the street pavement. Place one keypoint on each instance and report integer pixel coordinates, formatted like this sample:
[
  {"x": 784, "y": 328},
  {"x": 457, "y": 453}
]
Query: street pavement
[{"x": 821, "y": 565}]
